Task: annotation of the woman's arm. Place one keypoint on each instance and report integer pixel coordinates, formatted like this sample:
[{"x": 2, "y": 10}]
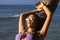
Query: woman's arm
[
  {"x": 22, "y": 19},
  {"x": 44, "y": 29},
  {"x": 21, "y": 24}
]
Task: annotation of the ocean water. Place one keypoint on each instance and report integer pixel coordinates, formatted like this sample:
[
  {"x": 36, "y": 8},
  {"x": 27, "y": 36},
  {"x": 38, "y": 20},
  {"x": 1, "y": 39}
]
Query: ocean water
[{"x": 9, "y": 16}]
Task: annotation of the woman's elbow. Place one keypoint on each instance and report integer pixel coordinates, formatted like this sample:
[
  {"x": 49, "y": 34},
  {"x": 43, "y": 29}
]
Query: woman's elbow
[{"x": 21, "y": 14}]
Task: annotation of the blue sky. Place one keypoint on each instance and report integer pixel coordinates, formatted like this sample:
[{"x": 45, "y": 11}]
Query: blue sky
[{"x": 28, "y": 2}]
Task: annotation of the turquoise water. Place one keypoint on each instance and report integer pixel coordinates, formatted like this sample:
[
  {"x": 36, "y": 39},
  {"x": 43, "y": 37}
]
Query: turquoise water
[{"x": 9, "y": 16}]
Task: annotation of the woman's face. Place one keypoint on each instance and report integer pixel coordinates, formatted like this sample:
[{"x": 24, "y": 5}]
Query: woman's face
[{"x": 30, "y": 21}]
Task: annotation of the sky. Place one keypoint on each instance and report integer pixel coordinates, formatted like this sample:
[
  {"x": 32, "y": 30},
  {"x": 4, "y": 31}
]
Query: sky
[{"x": 25, "y": 2}]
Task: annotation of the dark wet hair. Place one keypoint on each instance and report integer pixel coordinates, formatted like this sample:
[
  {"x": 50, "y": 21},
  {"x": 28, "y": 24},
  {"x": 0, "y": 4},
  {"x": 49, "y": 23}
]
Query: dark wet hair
[{"x": 39, "y": 22}]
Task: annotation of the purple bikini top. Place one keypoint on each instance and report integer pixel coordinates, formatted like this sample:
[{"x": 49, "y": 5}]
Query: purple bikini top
[{"x": 28, "y": 36}]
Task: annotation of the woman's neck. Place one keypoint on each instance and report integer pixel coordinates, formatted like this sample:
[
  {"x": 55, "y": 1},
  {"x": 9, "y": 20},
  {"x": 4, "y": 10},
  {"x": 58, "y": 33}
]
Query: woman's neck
[{"x": 31, "y": 30}]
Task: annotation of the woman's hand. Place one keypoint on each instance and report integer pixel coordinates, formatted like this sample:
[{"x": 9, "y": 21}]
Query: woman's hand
[{"x": 40, "y": 7}]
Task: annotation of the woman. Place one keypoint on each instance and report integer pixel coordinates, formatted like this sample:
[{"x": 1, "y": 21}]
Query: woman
[{"x": 32, "y": 24}]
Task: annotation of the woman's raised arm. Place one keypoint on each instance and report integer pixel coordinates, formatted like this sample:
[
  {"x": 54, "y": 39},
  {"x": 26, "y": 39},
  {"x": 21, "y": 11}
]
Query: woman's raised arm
[{"x": 44, "y": 29}]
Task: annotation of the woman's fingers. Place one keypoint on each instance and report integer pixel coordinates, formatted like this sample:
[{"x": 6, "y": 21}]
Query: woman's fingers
[
  {"x": 42, "y": 5},
  {"x": 39, "y": 5}
]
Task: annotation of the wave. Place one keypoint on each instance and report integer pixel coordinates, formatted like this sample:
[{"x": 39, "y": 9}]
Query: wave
[{"x": 9, "y": 16}]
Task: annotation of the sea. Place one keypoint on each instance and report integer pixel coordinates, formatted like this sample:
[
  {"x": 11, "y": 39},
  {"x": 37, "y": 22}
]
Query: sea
[{"x": 9, "y": 18}]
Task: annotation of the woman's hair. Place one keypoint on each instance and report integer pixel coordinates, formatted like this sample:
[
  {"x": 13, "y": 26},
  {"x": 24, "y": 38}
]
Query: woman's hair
[{"x": 39, "y": 22}]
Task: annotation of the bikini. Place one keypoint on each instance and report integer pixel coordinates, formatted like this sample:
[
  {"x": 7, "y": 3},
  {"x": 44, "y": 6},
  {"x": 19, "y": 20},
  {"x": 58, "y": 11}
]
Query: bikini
[{"x": 28, "y": 36}]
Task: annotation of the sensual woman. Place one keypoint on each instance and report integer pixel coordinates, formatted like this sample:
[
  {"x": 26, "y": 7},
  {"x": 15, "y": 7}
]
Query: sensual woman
[{"x": 33, "y": 23}]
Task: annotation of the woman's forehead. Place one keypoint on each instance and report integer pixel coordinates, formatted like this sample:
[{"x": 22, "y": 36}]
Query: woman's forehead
[{"x": 31, "y": 16}]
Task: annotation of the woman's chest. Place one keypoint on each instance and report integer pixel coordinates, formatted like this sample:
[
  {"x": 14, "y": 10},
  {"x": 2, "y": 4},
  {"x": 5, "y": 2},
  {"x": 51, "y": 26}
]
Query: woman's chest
[
  {"x": 33, "y": 39},
  {"x": 23, "y": 39},
  {"x": 30, "y": 37}
]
